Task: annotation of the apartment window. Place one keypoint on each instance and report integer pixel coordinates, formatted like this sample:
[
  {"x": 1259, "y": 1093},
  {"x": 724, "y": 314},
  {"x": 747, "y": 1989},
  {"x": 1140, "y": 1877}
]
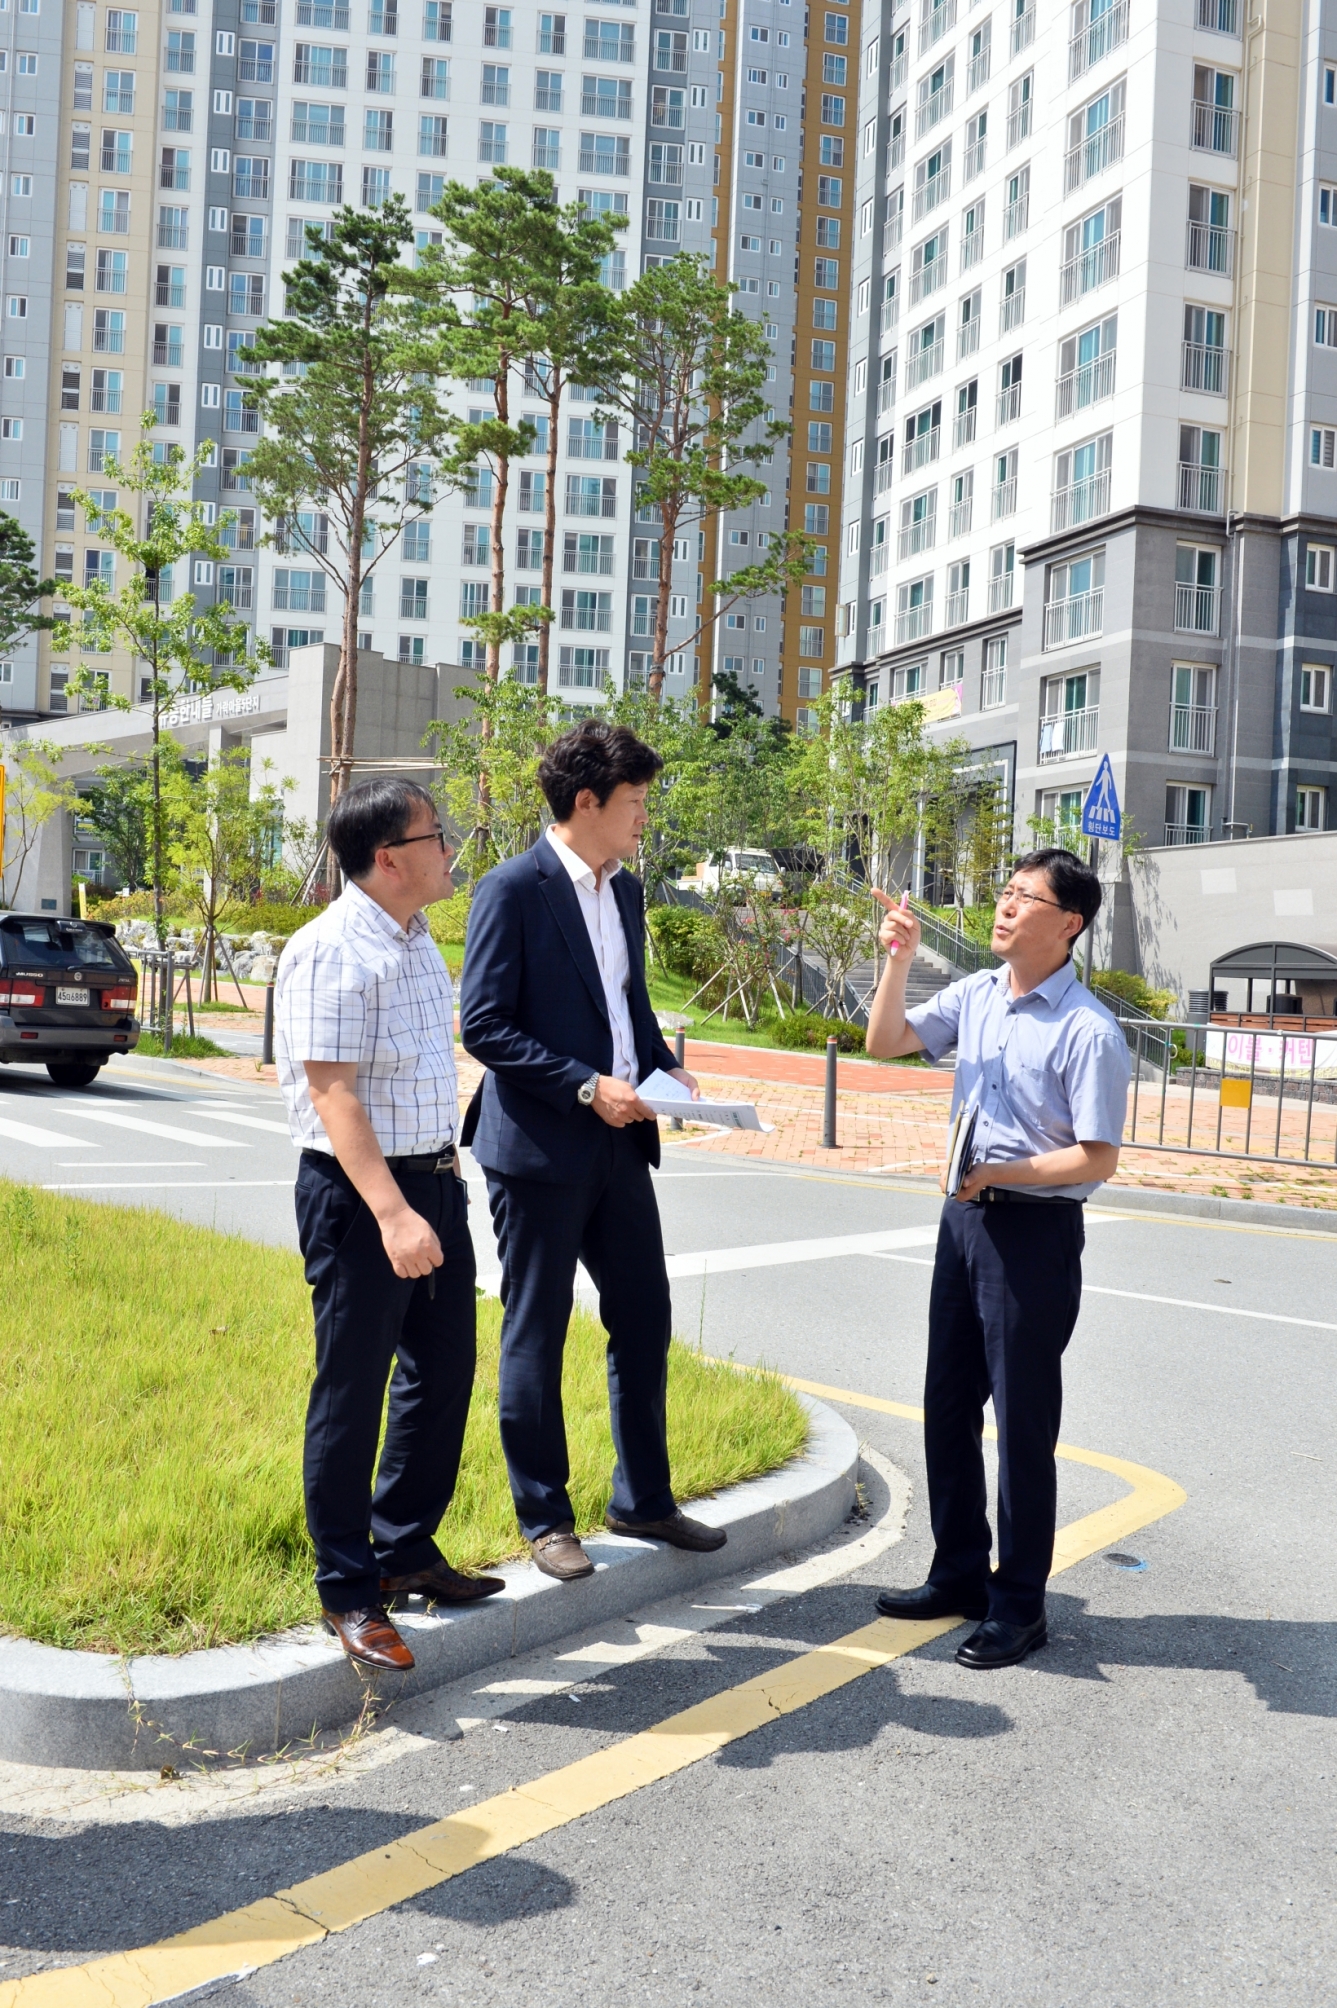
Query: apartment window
[
  {"x": 1319, "y": 568},
  {"x": 914, "y": 610},
  {"x": 1325, "y": 327},
  {"x": 1200, "y": 470},
  {"x": 589, "y": 495},
  {"x": 1012, "y": 298},
  {"x": 1082, "y": 482},
  {"x": 919, "y": 524},
  {"x": 1211, "y": 241},
  {"x": 1016, "y": 203},
  {"x": 1193, "y": 708},
  {"x": 993, "y": 682},
  {"x": 586, "y": 668},
  {"x": 1002, "y": 574},
  {"x": 1019, "y": 99},
  {"x": 433, "y": 136},
  {"x": 1215, "y": 126},
  {"x": 1091, "y": 251},
  {"x": 923, "y": 437},
  {"x": 1197, "y": 588},
  {"x": 378, "y": 134},
  {"x": 833, "y": 109},
  {"x": 118, "y": 92},
  {"x": 173, "y": 168},
  {"x": 1315, "y": 687},
  {"x": 1074, "y": 599},
  {"x": 1009, "y": 391},
  {"x": 1003, "y": 501},
  {"x": 255, "y": 120},
  {"x": 117, "y": 148},
  {"x": 934, "y": 96},
  {"x": 811, "y": 641},
  {"x": 1069, "y": 714},
  {"x": 113, "y": 217},
  {"x": 961, "y": 505},
  {"x": 1220, "y": 17},
  {"x": 1188, "y": 814},
  {"x": 1204, "y": 363},
  {"x": 924, "y": 351},
  {"x": 1095, "y": 138},
  {"x": 928, "y": 266},
  {"x": 1322, "y": 446},
  {"x": 246, "y": 294},
  {"x": 1086, "y": 367},
  {"x": 1311, "y": 808},
  {"x": 112, "y": 271},
  {"x": 1098, "y": 26},
  {"x": 933, "y": 180},
  {"x": 957, "y": 608},
  {"x": 607, "y": 97},
  {"x": 972, "y": 234},
  {"x": 178, "y": 113}
]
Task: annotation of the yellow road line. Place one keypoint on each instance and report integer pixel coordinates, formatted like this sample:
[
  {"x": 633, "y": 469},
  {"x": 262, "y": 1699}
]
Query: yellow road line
[{"x": 309, "y": 1911}]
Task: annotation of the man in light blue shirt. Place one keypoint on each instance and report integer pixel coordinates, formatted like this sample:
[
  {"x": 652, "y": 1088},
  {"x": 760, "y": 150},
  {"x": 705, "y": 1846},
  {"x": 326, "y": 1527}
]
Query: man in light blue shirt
[{"x": 1046, "y": 1069}]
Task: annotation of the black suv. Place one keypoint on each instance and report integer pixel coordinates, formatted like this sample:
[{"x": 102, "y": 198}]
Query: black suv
[{"x": 67, "y": 995}]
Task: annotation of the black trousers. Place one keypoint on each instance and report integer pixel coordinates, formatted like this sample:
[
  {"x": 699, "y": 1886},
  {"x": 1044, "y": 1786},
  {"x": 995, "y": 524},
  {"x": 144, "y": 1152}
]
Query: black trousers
[
  {"x": 1007, "y": 1286},
  {"x": 610, "y": 1222},
  {"x": 366, "y": 1319}
]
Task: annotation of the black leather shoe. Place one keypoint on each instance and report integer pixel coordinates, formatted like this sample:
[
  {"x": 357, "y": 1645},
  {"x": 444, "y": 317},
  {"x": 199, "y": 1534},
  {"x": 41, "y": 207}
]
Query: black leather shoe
[
  {"x": 930, "y": 1602},
  {"x": 999, "y": 1644},
  {"x": 677, "y": 1530}
]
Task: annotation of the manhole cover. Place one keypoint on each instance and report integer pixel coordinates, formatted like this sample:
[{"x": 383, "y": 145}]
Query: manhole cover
[{"x": 1122, "y": 1561}]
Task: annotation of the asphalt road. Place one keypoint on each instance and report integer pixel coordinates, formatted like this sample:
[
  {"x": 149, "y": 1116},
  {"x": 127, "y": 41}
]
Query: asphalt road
[{"x": 1141, "y": 1814}]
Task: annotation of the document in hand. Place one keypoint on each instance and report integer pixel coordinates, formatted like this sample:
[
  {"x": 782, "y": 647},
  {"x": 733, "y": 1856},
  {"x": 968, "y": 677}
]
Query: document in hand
[
  {"x": 667, "y": 1097},
  {"x": 960, "y": 1149}
]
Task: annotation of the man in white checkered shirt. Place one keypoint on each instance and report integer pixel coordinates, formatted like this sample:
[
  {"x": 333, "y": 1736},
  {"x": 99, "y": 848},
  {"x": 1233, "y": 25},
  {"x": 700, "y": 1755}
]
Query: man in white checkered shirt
[{"x": 366, "y": 1060}]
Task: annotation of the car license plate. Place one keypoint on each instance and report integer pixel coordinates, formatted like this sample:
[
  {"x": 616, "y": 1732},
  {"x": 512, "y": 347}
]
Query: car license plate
[{"x": 71, "y": 996}]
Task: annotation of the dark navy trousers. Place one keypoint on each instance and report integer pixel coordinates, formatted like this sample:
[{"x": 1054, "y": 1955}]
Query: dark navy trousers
[
  {"x": 368, "y": 1320},
  {"x": 610, "y": 1222},
  {"x": 1007, "y": 1286}
]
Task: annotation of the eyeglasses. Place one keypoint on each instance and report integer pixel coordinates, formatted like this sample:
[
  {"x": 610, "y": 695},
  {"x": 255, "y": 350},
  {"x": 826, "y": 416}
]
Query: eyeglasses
[
  {"x": 437, "y": 836},
  {"x": 1028, "y": 898}
]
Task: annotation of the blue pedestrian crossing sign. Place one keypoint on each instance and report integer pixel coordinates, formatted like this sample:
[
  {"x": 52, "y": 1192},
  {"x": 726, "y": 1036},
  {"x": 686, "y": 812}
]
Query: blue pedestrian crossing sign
[{"x": 1101, "y": 816}]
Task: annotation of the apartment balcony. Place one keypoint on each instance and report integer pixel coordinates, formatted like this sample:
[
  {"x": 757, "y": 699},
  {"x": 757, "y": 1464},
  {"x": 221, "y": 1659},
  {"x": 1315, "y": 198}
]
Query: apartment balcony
[
  {"x": 263, "y": 129},
  {"x": 977, "y": 70},
  {"x": 920, "y": 450},
  {"x": 1075, "y": 619},
  {"x": 1201, "y": 489},
  {"x": 1080, "y": 503},
  {"x": 1023, "y": 32},
  {"x": 1095, "y": 266},
  {"x": 1096, "y": 41},
  {"x": 877, "y": 563},
  {"x": 168, "y": 177},
  {"x": 1016, "y": 217},
  {"x": 1084, "y": 386},
  {"x": 1012, "y": 311},
  {"x": 1215, "y": 130},
  {"x": 955, "y": 611},
  {"x": 896, "y": 152},
  {"x": 914, "y": 624},
  {"x": 973, "y": 159},
  {"x": 935, "y": 190},
  {"x": 959, "y": 518},
  {"x": 935, "y": 107},
  {"x": 1193, "y": 728},
  {"x": 927, "y": 280},
  {"x": 934, "y": 21},
  {"x": 173, "y": 236},
  {"x": 893, "y": 231},
  {"x": 1219, "y": 17},
  {"x": 963, "y": 428},
  {"x": 1206, "y": 369},
  {"x": 1019, "y": 125},
  {"x": 1186, "y": 833},
  {"x": 552, "y": 41},
  {"x": 890, "y": 315},
  {"x": 254, "y": 70},
  {"x": 972, "y": 249},
  {"x": 1197, "y": 609},
  {"x": 169, "y": 355},
  {"x": 1009, "y": 405},
  {"x": 917, "y": 537},
  {"x": 883, "y": 477},
  {"x": 886, "y": 393},
  {"x": 1093, "y": 155},
  {"x": 1000, "y": 599},
  {"x": 322, "y": 14},
  {"x": 923, "y": 364},
  {"x": 993, "y": 683},
  {"x": 1003, "y": 500},
  {"x": 1210, "y": 248},
  {"x": 1069, "y": 734},
  {"x": 110, "y": 400},
  {"x": 292, "y": 599},
  {"x": 896, "y": 81}
]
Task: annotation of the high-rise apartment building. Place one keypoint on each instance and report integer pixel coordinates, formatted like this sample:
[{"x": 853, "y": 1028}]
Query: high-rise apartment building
[{"x": 1090, "y": 471}]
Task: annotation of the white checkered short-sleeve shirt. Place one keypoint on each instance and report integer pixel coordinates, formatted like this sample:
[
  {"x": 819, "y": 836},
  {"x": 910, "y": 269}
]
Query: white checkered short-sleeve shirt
[{"x": 355, "y": 985}]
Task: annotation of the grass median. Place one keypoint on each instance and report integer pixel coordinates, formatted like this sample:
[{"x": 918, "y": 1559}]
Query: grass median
[{"x": 151, "y": 1431}]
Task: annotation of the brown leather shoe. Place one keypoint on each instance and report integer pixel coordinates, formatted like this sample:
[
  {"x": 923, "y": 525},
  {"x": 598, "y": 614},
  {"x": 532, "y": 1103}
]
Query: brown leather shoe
[
  {"x": 440, "y": 1584},
  {"x": 677, "y": 1530},
  {"x": 560, "y": 1554},
  {"x": 369, "y": 1637}
]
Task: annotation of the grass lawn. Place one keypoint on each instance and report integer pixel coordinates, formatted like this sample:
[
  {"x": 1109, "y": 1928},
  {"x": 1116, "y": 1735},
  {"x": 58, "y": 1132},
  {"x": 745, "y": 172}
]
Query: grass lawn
[
  {"x": 151, "y": 1432},
  {"x": 185, "y": 1045}
]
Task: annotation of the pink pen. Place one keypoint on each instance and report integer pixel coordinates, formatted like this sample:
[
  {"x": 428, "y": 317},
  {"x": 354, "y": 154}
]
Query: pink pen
[{"x": 905, "y": 902}]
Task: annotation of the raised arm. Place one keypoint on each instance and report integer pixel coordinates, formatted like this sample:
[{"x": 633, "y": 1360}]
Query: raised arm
[{"x": 898, "y": 937}]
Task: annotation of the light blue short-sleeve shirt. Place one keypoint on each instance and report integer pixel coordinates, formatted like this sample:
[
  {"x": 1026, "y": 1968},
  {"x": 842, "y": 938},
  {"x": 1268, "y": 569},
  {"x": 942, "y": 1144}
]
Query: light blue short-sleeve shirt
[{"x": 1046, "y": 1070}]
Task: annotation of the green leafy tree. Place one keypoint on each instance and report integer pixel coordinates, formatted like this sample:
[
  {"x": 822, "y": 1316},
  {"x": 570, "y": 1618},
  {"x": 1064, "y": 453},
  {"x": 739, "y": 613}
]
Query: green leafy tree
[
  {"x": 354, "y": 423},
  {"x": 861, "y": 781},
  {"x": 489, "y": 787},
  {"x": 34, "y": 791},
  {"x": 21, "y": 591},
  {"x": 221, "y": 836},
  {"x": 120, "y": 809},
  {"x": 688, "y": 371},
  {"x": 175, "y": 645}
]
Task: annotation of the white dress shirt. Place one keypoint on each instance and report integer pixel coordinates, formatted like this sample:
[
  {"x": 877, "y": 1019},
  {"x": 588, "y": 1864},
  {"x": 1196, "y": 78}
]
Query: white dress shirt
[
  {"x": 355, "y": 985},
  {"x": 608, "y": 939}
]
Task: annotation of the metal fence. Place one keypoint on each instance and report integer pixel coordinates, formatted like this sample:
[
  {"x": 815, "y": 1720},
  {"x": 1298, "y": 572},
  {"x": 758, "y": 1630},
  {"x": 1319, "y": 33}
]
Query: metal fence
[{"x": 1235, "y": 1087}]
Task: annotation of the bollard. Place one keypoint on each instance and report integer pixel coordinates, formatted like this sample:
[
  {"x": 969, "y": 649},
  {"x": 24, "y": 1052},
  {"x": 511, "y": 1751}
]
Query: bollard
[
  {"x": 267, "y": 1043},
  {"x": 679, "y": 1060},
  {"x": 169, "y": 984},
  {"x": 829, "y": 1112}
]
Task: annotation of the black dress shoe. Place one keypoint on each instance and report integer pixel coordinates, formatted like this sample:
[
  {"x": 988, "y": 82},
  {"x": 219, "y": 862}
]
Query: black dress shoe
[
  {"x": 999, "y": 1644},
  {"x": 928, "y": 1601},
  {"x": 677, "y": 1530},
  {"x": 438, "y": 1584}
]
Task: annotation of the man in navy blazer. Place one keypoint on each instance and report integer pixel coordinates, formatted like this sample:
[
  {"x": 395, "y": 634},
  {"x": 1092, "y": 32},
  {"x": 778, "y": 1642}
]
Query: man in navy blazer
[{"x": 554, "y": 1004}]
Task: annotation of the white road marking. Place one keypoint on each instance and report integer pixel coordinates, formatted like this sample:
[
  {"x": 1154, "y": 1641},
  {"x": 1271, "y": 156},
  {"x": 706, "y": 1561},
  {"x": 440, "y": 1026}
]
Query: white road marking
[
  {"x": 131, "y": 1163},
  {"x": 169, "y": 1131},
  {"x": 164, "y": 1184},
  {"x": 247, "y": 1122},
  {"x": 42, "y": 1138},
  {"x": 773, "y": 1254}
]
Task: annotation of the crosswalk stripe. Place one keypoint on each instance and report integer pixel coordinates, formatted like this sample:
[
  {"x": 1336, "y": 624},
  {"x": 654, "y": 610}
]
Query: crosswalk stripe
[
  {"x": 246, "y": 1122},
  {"x": 26, "y": 1133},
  {"x": 770, "y": 1254},
  {"x": 172, "y": 1131}
]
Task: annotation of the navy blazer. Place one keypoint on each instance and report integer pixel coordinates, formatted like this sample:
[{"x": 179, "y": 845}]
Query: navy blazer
[{"x": 532, "y": 1009}]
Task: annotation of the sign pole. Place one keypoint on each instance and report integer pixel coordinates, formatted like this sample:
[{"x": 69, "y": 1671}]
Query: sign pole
[{"x": 1102, "y": 820}]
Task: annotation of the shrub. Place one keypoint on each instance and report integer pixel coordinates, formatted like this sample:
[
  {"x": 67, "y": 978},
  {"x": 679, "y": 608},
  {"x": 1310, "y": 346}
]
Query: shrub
[
  {"x": 449, "y": 920},
  {"x": 1135, "y": 990},
  {"x": 236, "y": 922},
  {"x": 688, "y": 940},
  {"x": 804, "y": 1030}
]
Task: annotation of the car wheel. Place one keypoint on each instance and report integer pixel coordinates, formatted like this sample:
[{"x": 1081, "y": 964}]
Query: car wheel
[{"x": 73, "y": 1073}]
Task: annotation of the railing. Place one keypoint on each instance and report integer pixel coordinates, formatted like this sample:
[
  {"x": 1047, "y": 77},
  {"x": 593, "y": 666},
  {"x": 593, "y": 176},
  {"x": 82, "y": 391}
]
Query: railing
[
  {"x": 1219, "y": 17},
  {"x": 1210, "y": 248},
  {"x": 254, "y": 70},
  {"x": 1096, "y": 40},
  {"x": 1012, "y": 310},
  {"x": 1200, "y": 489},
  {"x": 168, "y": 355},
  {"x": 890, "y": 315},
  {"x": 955, "y": 608},
  {"x": 1003, "y": 499},
  {"x": 1084, "y": 386},
  {"x": 1093, "y": 155},
  {"x": 977, "y": 70},
  {"x": 993, "y": 683},
  {"x": 1023, "y": 32},
  {"x": 923, "y": 364},
  {"x": 251, "y": 187},
  {"x": 1009, "y": 404},
  {"x": 168, "y": 177},
  {"x": 169, "y": 295},
  {"x": 883, "y": 477},
  {"x": 925, "y": 446},
  {"x": 886, "y": 393},
  {"x": 934, "y": 23},
  {"x": 920, "y": 536},
  {"x": 953, "y": 945},
  {"x": 1074, "y": 619},
  {"x": 893, "y": 231},
  {"x": 896, "y": 78},
  {"x": 263, "y": 129},
  {"x": 931, "y": 192},
  {"x": 968, "y": 338},
  {"x": 1215, "y": 129},
  {"x": 1016, "y": 217},
  {"x": 1192, "y": 728},
  {"x": 1206, "y": 368},
  {"x": 915, "y": 623},
  {"x": 110, "y": 400},
  {"x": 1000, "y": 599},
  {"x": 927, "y": 279},
  {"x": 896, "y": 152},
  {"x": 596, "y": 104},
  {"x": 973, "y": 159},
  {"x": 321, "y": 14},
  {"x": 963, "y": 427},
  {"x": 1082, "y": 502},
  {"x": 1196, "y": 608},
  {"x": 1068, "y": 734},
  {"x": 959, "y": 517},
  {"x": 173, "y": 236},
  {"x": 935, "y": 106},
  {"x": 1257, "y": 1086},
  {"x": 324, "y": 76},
  {"x": 877, "y": 562},
  {"x": 1186, "y": 833},
  {"x": 1019, "y": 125}
]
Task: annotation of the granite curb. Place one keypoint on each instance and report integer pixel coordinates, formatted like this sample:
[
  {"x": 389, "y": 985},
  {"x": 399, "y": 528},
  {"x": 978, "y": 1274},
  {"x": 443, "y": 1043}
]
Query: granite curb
[{"x": 95, "y": 1711}]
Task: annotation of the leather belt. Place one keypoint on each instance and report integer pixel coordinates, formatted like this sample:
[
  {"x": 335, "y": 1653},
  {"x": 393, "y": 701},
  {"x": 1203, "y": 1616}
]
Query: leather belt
[
  {"x": 1013, "y": 1196},
  {"x": 433, "y": 1163}
]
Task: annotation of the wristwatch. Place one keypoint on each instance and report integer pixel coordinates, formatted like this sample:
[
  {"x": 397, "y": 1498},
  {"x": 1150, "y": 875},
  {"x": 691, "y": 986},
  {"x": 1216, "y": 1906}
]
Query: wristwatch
[{"x": 587, "y": 1090}]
